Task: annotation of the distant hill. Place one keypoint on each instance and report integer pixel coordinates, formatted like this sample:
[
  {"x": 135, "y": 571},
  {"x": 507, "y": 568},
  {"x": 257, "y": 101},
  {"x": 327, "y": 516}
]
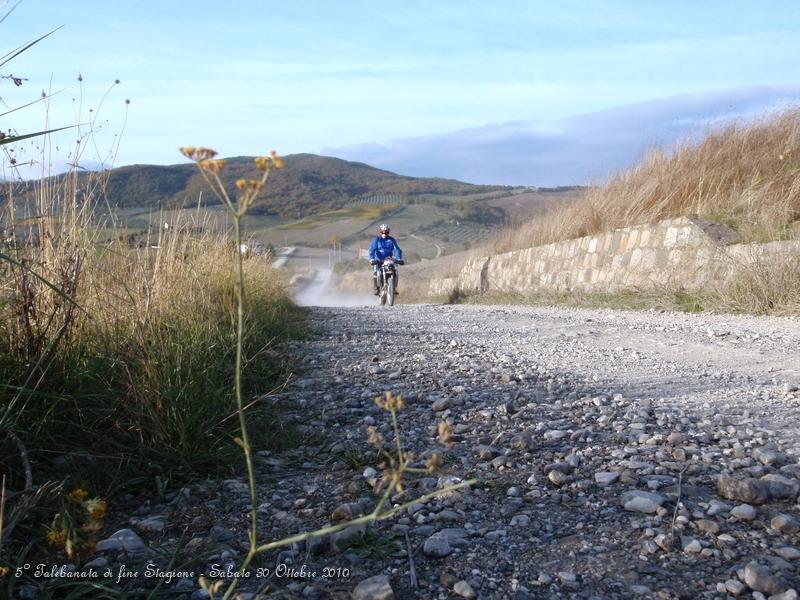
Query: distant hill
[{"x": 309, "y": 183}]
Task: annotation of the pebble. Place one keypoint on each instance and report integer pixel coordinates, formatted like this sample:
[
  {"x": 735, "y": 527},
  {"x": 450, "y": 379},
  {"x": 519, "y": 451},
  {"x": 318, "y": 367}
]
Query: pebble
[
  {"x": 785, "y": 523},
  {"x": 692, "y": 546},
  {"x": 464, "y": 589},
  {"x": 220, "y": 534},
  {"x": 734, "y": 586},
  {"x": 154, "y": 524},
  {"x": 374, "y": 588},
  {"x": 788, "y": 552},
  {"x": 744, "y": 512},
  {"x": 437, "y": 546},
  {"x": 124, "y": 540}
]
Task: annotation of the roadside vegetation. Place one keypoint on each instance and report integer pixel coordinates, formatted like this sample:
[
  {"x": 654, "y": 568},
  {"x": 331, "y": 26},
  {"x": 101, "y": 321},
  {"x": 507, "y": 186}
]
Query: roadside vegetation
[
  {"x": 121, "y": 363},
  {"x": 746, "y": 176},
  {"x": 743, "y": 175},
  {"x": 117, "y": 361}
]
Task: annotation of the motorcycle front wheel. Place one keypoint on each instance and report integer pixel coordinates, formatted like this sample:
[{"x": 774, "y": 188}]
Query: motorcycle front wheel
[
  {"x": 390, "y": 291},
  {"x": 382, "y": 294}
]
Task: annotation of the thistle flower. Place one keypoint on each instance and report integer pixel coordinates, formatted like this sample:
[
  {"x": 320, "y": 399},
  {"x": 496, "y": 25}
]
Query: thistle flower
[{"x": 241, "y": 184}]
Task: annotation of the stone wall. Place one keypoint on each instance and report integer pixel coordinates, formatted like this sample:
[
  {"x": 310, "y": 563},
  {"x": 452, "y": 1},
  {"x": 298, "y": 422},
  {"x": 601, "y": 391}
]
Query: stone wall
[{"x": 678, "y": 253}]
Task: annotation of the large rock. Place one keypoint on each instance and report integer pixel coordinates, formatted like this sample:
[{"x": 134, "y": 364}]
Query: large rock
[
  {"x": 760, "y": 579},
  {"x": 785, "y": 523},
  {"x": 643, "y": 502},
  {"x": 605, "y": 478},
  {"x": 374, "y": 588},
  {"x": 781, "y": 488},
  {"x": 437, "y": 546},
  {"x": 748, "y": 490}
]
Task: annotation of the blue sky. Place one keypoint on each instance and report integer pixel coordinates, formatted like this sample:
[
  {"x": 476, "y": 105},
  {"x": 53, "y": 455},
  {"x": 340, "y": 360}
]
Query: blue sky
[{"x": 538, "y": 93}]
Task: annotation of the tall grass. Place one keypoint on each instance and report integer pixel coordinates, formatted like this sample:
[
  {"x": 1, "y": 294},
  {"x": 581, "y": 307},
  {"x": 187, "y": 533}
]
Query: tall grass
[
  {"x": 743, "y": 174},
  {"x": 118, "y": 356}
]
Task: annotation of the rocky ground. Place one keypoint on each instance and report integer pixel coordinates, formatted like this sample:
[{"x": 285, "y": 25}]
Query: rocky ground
[{"x": 618, "y": 455}]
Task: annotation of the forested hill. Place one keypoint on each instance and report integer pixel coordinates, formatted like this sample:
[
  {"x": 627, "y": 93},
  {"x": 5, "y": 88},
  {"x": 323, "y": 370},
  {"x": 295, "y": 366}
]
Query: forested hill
[{"x": 307, "y": 184}]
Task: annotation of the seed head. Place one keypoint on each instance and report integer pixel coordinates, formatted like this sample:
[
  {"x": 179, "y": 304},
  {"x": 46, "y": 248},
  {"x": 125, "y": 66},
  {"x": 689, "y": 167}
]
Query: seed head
[
  {"x": 390, "y": 402},
  {"x": 57, "y": 537},
  {"x": 374, "y": 436},
  {"x": 211, "y": 165},
  {"x": 445, "y": 434},
  {"x": 96, "y": 508},
  {"x": 276, "y": 160},
  {"x": 198, "y": 154},
  {"x": 78, "y": 494},
  {"x": 434, "y": 462},
  {"x": 262, "y": 163}
]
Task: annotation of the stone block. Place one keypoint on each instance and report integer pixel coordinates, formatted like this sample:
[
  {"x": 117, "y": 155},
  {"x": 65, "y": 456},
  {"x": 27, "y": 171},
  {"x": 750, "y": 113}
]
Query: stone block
[{"x": 635, "y": 261}]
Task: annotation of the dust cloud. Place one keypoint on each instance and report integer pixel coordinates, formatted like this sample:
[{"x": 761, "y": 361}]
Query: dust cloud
[{"x": 320, "y": 293}]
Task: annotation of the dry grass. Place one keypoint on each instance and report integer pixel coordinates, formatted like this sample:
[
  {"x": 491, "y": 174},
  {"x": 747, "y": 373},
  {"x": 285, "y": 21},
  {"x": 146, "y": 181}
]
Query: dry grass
[
  {"x": 128, "y": 352},
  {"x": 760, "y": 285},
  {"x": 745, "y": 175}
]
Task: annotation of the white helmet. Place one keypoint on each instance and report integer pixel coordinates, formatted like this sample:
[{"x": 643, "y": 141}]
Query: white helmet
[{"x": 384, "y": 228}]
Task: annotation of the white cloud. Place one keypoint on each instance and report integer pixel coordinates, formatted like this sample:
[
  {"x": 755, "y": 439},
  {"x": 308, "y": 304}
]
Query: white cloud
[{"x": 577, "y": 150}]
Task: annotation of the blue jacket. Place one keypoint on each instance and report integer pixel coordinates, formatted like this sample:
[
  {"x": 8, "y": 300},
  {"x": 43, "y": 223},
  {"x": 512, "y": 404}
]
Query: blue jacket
[{"x": 381, "y": 248}]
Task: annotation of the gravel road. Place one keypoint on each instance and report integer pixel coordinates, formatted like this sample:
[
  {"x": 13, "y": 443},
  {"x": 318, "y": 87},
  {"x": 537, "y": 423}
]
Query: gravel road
[{"x": 619, "y": 455}]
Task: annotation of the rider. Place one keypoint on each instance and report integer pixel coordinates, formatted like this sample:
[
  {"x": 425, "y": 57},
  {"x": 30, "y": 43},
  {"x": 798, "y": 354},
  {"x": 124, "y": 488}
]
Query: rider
[{"x": 383, "y": 246}]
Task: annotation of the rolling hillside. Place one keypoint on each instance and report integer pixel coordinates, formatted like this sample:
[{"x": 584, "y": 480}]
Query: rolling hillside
[
  {"x": 311, "y": 202},
  {"x": 308, "y": 184}
]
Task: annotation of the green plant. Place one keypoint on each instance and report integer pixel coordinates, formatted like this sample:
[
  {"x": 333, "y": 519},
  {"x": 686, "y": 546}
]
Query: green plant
[
  {"x": 687, "y": 301},
  {"x": 372, "y": 545}
]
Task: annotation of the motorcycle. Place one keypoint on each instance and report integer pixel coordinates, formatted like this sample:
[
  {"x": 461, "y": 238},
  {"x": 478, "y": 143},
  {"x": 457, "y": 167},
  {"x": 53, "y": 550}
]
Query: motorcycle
[{"x": 387, "y": 280}]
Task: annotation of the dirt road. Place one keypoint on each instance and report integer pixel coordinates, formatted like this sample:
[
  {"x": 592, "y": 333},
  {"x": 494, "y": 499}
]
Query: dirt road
[{"x": 619, "y": 455}]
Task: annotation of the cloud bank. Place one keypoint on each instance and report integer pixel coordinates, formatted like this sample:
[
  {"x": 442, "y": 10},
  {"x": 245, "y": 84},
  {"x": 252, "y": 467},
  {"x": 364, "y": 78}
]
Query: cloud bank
[{"x": 580, "y": 149}]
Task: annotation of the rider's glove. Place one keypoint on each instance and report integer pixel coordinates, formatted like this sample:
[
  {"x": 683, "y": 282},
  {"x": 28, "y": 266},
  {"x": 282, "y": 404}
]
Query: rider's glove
[{"x": 373, "y": 262}]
